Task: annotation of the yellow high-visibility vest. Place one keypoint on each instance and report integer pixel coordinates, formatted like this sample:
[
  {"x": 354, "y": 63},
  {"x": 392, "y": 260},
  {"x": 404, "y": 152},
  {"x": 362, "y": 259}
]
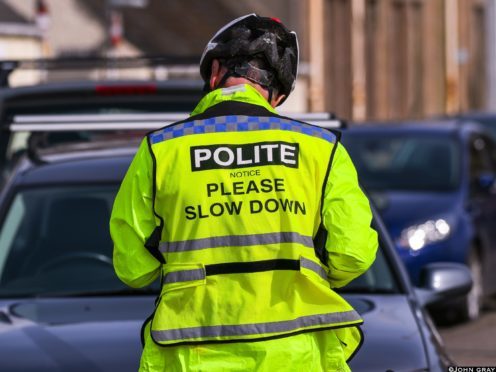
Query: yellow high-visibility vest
[{"x": 240, "y": 197}]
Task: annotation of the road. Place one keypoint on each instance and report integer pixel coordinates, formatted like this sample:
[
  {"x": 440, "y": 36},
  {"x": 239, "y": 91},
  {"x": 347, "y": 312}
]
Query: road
[{"x": 474, "y": 343}]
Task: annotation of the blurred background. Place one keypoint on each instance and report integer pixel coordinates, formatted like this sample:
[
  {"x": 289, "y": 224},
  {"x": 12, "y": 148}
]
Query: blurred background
[
  {"x": 362, "y": 59},
  {"x": 386, "y": 61}
]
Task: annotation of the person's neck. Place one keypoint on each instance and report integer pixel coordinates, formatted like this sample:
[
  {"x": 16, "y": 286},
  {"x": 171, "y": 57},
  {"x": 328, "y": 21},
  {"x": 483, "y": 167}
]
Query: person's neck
[{"x": 233, "y": 81}]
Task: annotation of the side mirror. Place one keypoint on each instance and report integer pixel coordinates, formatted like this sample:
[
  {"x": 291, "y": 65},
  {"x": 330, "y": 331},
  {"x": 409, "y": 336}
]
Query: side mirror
[{"x": 443, "y": 280}]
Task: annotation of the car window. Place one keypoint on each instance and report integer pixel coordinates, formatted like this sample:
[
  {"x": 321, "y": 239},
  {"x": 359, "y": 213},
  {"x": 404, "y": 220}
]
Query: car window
[
  {"x": 481, "y": 162},
  {"x": 378, "y": 279},
  {"x": 56, "y": 239},
  {"x": 10, "y": 229},
  {"x": 491, "y": 146},
  {"x": 405, "y": 161}
]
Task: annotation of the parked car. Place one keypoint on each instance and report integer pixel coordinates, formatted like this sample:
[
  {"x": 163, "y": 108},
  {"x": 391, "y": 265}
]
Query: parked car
[
  {"x": 434, "y": 184},
  {"x": 75, "y": 96},
  {"x": 76, "y": 110},
  {"x": 62, "y": 307}
]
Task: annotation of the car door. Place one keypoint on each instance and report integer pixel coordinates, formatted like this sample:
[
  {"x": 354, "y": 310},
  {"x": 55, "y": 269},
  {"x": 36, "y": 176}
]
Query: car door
[{"x": 482, "y": 203}]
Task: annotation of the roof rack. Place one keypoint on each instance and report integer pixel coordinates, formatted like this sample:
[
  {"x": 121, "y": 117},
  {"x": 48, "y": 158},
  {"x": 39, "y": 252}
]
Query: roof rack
[
  {"x": 188, "y": 64},
  {"x": 144, "y": 121}
]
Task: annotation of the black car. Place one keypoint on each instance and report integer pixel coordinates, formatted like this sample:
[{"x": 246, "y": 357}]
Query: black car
[
  {"x": 78, "y": 87},
  {"x": 62, "y": 307}
]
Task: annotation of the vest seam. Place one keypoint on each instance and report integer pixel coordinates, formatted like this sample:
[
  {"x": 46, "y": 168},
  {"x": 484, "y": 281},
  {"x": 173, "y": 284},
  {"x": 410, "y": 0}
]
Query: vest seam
[
  {"x": 320, "y": 237},
  {"x": 150, "y": 246}
]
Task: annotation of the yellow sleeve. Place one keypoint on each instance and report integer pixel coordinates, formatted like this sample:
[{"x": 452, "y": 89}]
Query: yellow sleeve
[
  {"x": 351, "y": 242},
  {"x": 132, "y": 222}
]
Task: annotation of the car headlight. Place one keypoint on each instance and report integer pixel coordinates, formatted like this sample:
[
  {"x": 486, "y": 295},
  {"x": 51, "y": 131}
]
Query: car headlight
[{"x": 418, "y": 236}]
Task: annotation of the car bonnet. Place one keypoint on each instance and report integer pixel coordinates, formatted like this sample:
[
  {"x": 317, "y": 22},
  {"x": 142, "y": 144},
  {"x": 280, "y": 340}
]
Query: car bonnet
[
  {"x": 392, "y": 339},
  {"x": 72, "y": 334}
]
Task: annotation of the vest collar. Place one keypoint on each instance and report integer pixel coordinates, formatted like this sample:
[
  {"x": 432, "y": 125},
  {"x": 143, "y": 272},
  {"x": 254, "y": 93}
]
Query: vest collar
[{"x": 241, "y": 93}]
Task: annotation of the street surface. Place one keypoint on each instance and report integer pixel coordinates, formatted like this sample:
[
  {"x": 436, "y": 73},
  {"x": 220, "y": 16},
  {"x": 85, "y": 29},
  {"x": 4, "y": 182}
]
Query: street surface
[{"x": 473, "y": 344}]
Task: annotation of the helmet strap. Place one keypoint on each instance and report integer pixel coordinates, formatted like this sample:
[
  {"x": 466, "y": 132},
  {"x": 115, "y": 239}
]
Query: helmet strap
[
  {"x": 271, "y": 92},
  {"x": 233, "y": 71},
  {"x": 224, "y": 78}
]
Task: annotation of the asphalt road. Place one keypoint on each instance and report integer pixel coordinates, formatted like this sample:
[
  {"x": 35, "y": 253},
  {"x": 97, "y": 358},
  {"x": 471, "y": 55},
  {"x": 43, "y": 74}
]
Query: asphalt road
[{"x": 474, "y": 343}]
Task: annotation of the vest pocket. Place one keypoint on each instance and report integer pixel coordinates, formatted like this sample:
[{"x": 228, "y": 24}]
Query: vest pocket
[{"x": 183, "y": 276}]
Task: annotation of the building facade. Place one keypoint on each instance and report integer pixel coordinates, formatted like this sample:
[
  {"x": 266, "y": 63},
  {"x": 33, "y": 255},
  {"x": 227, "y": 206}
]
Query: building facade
[
  {"x": 398, "y": 59},
  {"x": 362, "y": 59}
]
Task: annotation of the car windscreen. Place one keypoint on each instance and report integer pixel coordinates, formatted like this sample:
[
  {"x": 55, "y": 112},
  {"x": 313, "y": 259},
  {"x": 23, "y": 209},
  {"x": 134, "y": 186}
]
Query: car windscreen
[
  {"x": 378, "y": 279},
  {"x": 405, "y": 161},
  {"x": 54, "y": 240}
]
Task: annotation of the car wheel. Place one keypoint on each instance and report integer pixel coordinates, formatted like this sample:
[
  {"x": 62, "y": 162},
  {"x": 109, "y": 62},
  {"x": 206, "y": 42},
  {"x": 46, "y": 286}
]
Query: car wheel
[{"x": 471, "y": 305}]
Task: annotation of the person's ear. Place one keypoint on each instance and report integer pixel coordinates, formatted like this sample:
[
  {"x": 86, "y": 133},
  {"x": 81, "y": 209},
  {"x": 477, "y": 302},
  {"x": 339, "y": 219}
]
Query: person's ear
[
  {"x": 215, "y": 74},
  {"x": 275, "y": 101}
]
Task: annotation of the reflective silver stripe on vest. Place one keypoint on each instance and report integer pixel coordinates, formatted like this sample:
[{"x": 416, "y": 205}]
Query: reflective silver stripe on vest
[
  {"x": 184, "y": 276},
  {"x": 310, "y": 265},
  {"x": 262, "y": 329},
  {"x": 236, "y": 241}
]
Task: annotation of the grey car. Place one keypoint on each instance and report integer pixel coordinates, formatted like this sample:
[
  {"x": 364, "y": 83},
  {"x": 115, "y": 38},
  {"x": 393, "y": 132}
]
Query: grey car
[{"x": 63, "y": 309}]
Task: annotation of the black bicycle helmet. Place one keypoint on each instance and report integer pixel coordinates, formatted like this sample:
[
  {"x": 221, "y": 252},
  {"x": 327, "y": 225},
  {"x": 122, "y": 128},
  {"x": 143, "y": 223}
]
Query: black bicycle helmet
[{"x": 260, "y": 49}]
